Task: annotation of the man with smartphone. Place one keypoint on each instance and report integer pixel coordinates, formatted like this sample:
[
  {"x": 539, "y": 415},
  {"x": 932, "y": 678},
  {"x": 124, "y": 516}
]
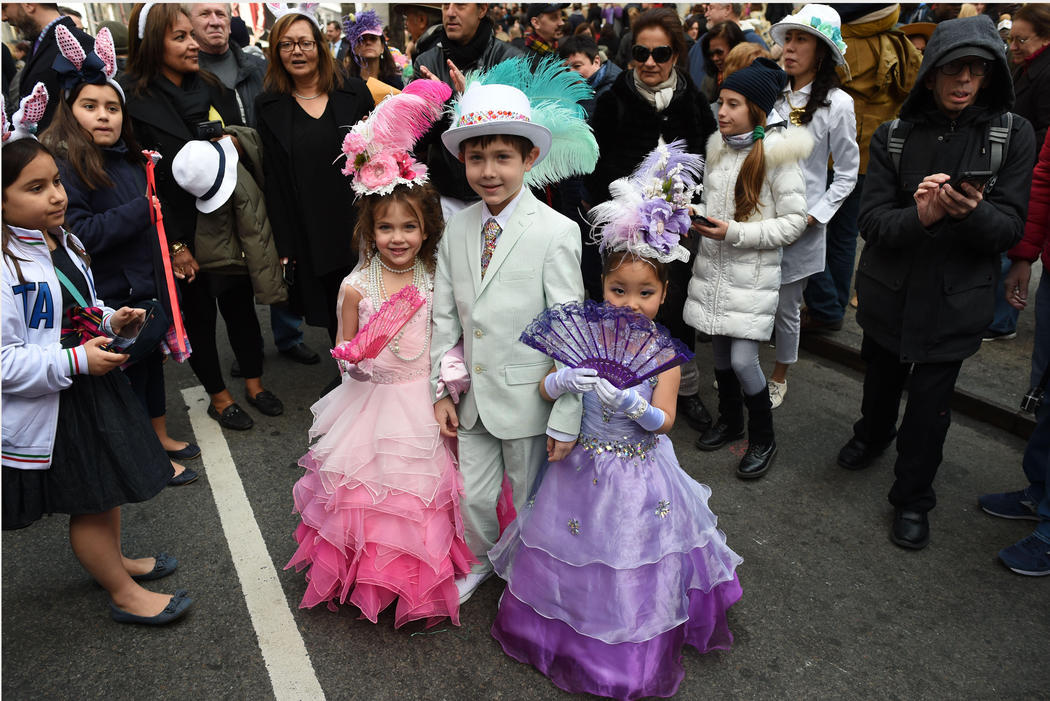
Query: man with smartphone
[{"x": 945, "y": 193}]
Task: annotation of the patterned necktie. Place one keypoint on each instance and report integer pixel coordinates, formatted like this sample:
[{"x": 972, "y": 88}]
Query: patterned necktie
[{"x": 489, "y": 235}]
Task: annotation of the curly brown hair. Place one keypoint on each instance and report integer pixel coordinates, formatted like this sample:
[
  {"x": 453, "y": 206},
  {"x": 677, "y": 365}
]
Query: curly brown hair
[{"x": 422, "y": 200}]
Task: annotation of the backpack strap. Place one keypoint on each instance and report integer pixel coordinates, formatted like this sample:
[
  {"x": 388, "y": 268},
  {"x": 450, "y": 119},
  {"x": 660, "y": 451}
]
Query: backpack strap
[
  {"x": 898, "y": 135},
  {"x": 999, "y": 143}
]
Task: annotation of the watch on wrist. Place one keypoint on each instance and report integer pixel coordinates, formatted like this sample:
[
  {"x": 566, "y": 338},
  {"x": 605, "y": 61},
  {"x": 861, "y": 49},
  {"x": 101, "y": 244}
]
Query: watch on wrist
[{"x": 177, "y": 248}]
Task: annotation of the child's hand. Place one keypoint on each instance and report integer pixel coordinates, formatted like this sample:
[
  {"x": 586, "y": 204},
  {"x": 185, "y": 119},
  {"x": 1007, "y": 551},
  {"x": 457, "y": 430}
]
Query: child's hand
[
  {"x": 445, "y": 415},
  {"x": 127, "y": 321},
  {"x": 558, "y": 450},
  {"x": 101, "y": 361},
  {"x": 717, "y": 232},
  {"x": 578, "y": 380},
  {"x": 362, "y": 372},
  {"x": 616, "y": 399}
]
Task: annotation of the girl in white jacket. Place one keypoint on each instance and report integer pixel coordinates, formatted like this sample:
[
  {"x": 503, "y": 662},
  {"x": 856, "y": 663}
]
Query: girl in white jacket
[
  {"x": 75, "y": 439},
  {"x": 813, "y": 46},
  {"x": 754, "y": 203}
]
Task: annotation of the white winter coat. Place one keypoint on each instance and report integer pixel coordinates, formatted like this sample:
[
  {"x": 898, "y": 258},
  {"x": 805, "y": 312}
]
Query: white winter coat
[{"x": 736, "y": 282}]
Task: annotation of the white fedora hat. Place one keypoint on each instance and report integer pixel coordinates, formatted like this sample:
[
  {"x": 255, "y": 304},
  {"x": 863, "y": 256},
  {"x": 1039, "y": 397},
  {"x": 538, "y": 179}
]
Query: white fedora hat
[
  {"x": 821, "y": 21},
  {"x": 208, "y": 171},
  {"x": 495, "y": 109}
]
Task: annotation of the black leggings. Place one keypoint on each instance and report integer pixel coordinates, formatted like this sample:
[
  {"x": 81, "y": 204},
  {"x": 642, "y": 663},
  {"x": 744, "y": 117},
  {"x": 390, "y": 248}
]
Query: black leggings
[
  {"x": 236, "y": 303},
  {"x": 147, "y": 381}
]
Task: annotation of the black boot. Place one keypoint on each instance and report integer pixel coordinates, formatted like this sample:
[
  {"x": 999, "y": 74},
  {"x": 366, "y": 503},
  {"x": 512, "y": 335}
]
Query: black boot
[
  {"x": 730, "y": 424},
  {"x": 762, "y": 448},
  {"x": 692, "y": 409}
]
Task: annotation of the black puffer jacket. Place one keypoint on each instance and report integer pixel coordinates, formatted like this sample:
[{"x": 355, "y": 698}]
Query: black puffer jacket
[
  {"x": 627, "y": 128},
  {"x": 928, "y": 294}
]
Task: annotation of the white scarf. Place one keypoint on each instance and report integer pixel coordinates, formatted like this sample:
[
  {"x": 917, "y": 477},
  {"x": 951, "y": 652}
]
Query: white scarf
[{"x": 659, "y": 95}]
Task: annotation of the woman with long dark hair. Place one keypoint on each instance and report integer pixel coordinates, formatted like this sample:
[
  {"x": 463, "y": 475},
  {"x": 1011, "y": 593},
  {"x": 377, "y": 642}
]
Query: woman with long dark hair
[
  {"x": 305, "y": 111},
  {"x": 813, "y": 47},
  {"x": 655, "y": 101},
  {"x": 169, "y": 100},
  {"x": 369, "y": 55}
]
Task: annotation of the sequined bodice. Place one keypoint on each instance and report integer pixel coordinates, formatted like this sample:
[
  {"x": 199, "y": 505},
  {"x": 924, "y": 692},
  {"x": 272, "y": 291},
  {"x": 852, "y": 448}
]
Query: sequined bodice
[
  {"x": 401, "y": 360},
  {"x": 603, "y": 428}
]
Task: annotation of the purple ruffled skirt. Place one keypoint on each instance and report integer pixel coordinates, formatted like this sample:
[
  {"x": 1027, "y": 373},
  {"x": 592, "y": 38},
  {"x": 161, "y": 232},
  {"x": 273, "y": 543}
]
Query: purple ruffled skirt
[{"x": 612, "y": 568}]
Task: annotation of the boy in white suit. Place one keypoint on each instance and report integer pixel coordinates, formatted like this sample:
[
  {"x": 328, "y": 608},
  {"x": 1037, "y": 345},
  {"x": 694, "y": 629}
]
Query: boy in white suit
[{"x": 500, "y": 263}]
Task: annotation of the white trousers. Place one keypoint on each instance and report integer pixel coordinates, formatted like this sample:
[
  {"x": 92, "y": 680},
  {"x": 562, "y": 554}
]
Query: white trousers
[
  {"x": 483, "y": 460},
  {"x": 788, "y": 322}
]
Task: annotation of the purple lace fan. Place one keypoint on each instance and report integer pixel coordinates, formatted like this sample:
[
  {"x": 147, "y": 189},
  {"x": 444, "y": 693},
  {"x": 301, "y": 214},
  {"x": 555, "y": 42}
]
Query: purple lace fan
[{"x": 625, "y": 347}]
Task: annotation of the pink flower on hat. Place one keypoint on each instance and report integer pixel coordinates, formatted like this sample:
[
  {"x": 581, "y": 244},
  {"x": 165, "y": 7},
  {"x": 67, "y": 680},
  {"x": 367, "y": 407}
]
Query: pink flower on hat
[
  {"x": 380, "y": 171},
  {"x": 408, "y": 168},
  {"x": 353, "y": 144}
]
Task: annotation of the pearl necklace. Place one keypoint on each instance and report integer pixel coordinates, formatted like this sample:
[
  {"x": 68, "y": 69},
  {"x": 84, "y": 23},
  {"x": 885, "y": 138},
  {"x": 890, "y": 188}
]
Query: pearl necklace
[
  {"x": 304, "y": 97},
  {"x": 377, "y": 291}
]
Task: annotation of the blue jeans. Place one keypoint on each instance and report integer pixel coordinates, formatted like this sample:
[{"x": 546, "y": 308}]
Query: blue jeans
[
  {"x": 827, "y": 292},
  {"x": 286, "y": 327},
  {"x": 1037, "y": 453},
  {"x": 1005, "y": 319}
]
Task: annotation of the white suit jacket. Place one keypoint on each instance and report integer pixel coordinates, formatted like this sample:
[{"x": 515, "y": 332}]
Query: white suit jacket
[{"x": 536, "y": 265}]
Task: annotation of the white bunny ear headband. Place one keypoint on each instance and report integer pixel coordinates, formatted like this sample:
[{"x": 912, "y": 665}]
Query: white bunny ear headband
[
  {"x": 75, "y": 66},
  {"x": 29, "y": 114},
  {"x": 305, "y": 9}
]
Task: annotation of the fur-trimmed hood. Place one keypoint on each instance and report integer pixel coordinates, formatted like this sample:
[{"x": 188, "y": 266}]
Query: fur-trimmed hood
[{"x": 781, "y": 146}]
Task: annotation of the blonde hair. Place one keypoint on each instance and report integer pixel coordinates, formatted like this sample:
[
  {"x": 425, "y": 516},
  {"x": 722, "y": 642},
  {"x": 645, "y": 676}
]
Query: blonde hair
[{"x": 741, "y": 56}]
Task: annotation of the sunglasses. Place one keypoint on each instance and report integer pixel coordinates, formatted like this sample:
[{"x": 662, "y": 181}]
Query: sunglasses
[
  {"x": 977, "y": 67},
  {"x": 660, "y": 54}
]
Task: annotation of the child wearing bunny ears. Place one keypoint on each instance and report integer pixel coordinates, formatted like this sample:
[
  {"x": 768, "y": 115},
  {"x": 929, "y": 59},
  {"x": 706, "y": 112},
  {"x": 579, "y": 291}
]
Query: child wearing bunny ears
[
  {"x": 104, "y": 173},
  {"x": 75, "y": 440}
]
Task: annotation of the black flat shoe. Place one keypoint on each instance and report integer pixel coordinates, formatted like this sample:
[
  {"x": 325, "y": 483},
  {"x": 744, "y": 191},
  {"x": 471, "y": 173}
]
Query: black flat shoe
[
  {"x": 176, "y": 609},
  {"x": 694, "y": 412},
  {"x": 190, "y": 452},
  {"x": 164, "y": 565},
  {"x": 301, "y": 353},
  {"x": 719, "y": 435},
  {"x": 185, "y": 477},
  {"x": 232, "y": 417},
  {"x": 756, "y": 461},
  {"x": 857, "y": 455},
  {"x": 266, "y": 402},
  {"x": 911, "y": 529}
]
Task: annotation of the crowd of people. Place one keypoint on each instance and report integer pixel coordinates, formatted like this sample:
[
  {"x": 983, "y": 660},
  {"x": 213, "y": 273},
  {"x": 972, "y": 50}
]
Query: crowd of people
[{"x": 515, "y": 168}]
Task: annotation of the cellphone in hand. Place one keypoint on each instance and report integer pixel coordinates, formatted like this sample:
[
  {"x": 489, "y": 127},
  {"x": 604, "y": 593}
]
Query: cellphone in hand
[
  {"x": 119, "y": 344},
  {"x": 703, "y": 221},
  {"x": 976, "y": 178}
]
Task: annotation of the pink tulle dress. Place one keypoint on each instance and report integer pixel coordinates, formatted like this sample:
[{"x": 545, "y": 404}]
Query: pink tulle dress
[{"x": 380, "y": 498}]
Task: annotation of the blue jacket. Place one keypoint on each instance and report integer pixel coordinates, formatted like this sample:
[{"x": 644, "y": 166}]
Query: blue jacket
[
  {"x": 600, "y": 82},
  {"x": 114, "y": 225}
]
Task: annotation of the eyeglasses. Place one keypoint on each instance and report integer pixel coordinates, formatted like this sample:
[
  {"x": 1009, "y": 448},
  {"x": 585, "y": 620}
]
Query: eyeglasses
[
  {"x": 977, "y": 66},
  {"x": 660, "y": 54},
  {"x": 1019, "y": 41},
  {"x": 305, "y": 45}
]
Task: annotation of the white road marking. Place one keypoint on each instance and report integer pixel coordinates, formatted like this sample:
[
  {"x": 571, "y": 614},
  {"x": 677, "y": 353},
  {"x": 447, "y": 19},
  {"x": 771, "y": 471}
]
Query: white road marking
[{"x": 287, "y": 662}]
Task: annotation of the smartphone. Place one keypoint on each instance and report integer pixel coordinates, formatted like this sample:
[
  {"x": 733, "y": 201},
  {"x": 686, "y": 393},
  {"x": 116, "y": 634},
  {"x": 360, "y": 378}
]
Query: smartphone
[
  {"x": 120, "y": 344},
  {"x": 976, "y": 178},
  {"x": 207, "y": 131},
  {"x": 703, "y": 221}
]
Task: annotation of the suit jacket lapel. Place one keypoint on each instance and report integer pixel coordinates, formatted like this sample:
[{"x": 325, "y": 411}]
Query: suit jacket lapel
[
  {"x": 472, "y": 251},
  {"x": 519, "y": 223}
]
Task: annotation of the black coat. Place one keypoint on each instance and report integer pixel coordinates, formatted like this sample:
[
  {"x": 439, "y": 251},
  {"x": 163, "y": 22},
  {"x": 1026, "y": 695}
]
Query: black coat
[
  {"x": 627, "y": 128},
  {"x": 38, "y": 68},
  {"x": 159, "y": 127},
  {"x": 349, "y": 104},
  {"x": 929, "y": 294},
  {"x": 1032, "y": 93},
  {"x": 251, "y": 70}
]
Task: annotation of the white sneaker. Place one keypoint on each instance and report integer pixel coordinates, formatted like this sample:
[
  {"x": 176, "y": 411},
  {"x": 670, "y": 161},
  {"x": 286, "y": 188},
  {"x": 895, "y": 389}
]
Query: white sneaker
[
  {"x": 777, "y": 390},
  {"x": 466, "y": 586}
]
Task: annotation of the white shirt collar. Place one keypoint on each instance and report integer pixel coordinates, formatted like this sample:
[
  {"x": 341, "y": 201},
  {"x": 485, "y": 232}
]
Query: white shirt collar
[{"x": 504, "y": 216}]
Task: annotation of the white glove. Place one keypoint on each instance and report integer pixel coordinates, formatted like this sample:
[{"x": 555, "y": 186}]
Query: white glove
[
  {"x": 578, "y": 380},
  {"x": 362, "y": 372},
  {"x": 630, "y": 403}
]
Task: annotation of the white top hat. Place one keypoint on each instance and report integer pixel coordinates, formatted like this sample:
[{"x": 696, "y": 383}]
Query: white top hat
[
  {"x": 208, "y": 171},
  {"x": 819, "y": 20},
  {"x": 495, "y": 109}
]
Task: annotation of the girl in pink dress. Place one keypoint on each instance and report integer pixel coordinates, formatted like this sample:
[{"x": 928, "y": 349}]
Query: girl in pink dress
[{"x": 380, "y": 498}]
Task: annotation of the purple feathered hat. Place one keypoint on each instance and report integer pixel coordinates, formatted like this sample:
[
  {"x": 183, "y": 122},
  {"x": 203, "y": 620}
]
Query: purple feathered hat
[{"x": 366, "y": 22}]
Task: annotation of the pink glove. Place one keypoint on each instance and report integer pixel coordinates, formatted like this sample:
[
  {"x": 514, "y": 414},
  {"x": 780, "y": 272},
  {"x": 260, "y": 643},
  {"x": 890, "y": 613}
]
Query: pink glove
[
  {"x": 362, "y": 372},
  {"x": 453, "y": 376}
]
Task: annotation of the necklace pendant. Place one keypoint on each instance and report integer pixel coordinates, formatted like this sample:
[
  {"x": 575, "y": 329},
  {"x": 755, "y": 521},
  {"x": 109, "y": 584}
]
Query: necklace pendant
[{"x": 796, "y": 116}]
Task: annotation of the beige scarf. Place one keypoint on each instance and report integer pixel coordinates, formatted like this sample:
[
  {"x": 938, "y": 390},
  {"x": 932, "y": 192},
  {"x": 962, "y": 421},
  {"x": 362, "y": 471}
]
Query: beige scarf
[{"x": 659, "y": 95}]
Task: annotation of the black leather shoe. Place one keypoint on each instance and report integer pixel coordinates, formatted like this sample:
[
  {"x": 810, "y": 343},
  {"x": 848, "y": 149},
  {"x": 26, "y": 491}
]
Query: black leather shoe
[
  {"x": 911, "y": 529},
  {"x": 756, "y": 461},
  {"x": 694, "y": 412},
  {"x": 232, "y": 417},
  {"x": 266, "y": 402},
  {"x": 302, "y": 354},
  {"x": 719, "y": 435},
  {"x": 856, "y": 454}
]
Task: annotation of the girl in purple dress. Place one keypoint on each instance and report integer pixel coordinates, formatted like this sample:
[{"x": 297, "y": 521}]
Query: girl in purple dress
[{"x": 616, "y": 562}]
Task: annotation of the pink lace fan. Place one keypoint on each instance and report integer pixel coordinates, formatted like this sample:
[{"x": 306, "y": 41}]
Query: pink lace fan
[{"x": 382, "y": 327}]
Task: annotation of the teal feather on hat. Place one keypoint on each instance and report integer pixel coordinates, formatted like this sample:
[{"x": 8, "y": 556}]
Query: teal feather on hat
[{"x": 554, "y": 93}]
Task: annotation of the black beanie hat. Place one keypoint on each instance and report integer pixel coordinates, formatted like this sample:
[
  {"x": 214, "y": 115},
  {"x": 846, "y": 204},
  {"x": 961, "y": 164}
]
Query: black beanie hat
[{"x": 761, "y": 82}]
